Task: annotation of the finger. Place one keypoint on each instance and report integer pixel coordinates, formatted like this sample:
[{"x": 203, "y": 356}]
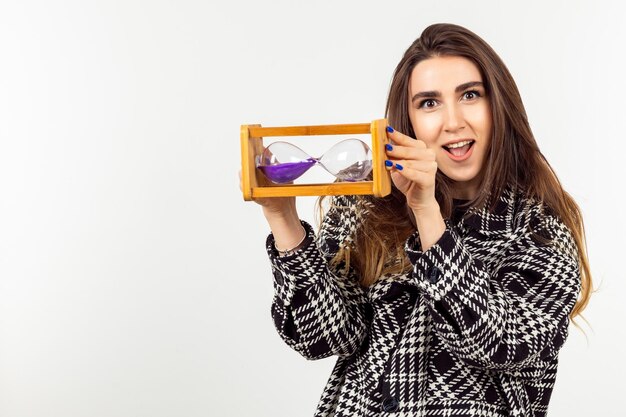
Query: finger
[
  {"x": 420, "y": 178},
  {"x": 404, "y": 165},
  {"x": 409, "y": 153},
  {"x": 422, "y": 173},
  {"x": 402, "y": 139}
]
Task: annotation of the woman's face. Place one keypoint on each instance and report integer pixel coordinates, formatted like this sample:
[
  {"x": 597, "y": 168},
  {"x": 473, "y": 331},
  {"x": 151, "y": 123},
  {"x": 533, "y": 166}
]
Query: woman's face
[{"x": 450, "y": 112}]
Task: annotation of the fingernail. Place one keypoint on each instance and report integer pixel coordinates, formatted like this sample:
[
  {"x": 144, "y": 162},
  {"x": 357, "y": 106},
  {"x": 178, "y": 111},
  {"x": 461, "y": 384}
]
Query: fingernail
[
  {"x": 399, "y": 167},
  {"x": 388, "y": 163},
  {"x": 389, "y": 129},
  {"x": 389, "y": 147}
]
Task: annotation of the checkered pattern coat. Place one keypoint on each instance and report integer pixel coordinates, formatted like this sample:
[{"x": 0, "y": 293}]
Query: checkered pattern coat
[{"x": 473, "y": 330}]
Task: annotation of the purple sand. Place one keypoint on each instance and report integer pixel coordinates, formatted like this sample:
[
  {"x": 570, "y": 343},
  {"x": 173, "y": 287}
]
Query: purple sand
[{"x": 287, "y": 172}]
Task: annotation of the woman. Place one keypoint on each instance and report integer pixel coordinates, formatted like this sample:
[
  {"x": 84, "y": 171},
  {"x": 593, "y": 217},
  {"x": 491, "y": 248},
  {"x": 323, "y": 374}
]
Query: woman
[{"x": 453, "y": 295}]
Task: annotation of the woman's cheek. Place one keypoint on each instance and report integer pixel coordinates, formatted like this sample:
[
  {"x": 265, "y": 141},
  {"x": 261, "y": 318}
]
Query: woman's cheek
[
  {"x": 479, "y": 118},
  {"x": 427, "y": 127}
]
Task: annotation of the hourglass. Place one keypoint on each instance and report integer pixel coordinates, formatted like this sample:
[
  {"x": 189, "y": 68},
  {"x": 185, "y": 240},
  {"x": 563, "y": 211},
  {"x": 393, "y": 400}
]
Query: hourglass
[
  {"x": 283, "y": 162},
  {"x": 269, "y": 172}
]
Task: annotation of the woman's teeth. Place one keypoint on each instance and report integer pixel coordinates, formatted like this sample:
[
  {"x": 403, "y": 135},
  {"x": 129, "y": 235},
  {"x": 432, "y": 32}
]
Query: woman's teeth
[
  {"x": 459, "y": 144},
  {"x": 459, "y": 149}
]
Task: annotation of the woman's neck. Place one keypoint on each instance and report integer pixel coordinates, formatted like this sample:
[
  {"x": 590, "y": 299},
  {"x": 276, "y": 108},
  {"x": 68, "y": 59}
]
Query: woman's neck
[{"x": 466, "y": 190}]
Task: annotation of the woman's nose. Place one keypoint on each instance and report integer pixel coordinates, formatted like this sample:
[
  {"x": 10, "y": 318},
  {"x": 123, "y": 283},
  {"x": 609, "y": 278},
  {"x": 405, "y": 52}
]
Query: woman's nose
[{"x": 453, "y": 119}]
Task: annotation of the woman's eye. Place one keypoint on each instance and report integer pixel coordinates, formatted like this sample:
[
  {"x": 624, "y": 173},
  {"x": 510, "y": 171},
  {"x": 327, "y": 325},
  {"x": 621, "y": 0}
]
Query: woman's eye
[
  {"x": 469, "y": 95},
  {"x": 429, "y": 103}
]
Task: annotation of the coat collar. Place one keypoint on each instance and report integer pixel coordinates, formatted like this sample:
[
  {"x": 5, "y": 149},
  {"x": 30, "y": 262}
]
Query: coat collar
[{"x": 500, "y": 221}]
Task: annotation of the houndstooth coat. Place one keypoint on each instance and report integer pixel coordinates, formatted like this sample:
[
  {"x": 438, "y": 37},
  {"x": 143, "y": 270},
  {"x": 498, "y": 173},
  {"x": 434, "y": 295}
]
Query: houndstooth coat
[{"x": 473, "y": 330}]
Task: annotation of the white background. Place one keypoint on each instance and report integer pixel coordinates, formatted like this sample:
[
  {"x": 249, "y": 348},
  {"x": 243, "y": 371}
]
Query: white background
[{"x": 133, "y": 277}]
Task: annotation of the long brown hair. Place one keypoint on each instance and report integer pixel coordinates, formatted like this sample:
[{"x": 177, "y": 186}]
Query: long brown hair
[{"x": 513, "y": 160}]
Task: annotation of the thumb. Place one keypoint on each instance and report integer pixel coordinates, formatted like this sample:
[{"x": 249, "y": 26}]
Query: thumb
[{"x": 399, "y": 180}]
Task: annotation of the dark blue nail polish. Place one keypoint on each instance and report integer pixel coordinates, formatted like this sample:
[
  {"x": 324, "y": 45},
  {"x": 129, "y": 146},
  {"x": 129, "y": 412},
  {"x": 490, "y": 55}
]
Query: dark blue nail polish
[
  {"x": 389, "y": 147},
  {"x": 389, "y": 129},
  {"x": 388, "y": 163},
  {"x": 399, "y": 167}
]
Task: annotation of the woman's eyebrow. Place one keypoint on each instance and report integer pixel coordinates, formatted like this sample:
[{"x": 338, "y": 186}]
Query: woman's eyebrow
[{"x": 458, "y": 89}]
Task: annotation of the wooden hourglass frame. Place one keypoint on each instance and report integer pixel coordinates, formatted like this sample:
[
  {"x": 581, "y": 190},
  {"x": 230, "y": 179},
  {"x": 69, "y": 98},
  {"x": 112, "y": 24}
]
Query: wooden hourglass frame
[{"x": 256, "y": 185}]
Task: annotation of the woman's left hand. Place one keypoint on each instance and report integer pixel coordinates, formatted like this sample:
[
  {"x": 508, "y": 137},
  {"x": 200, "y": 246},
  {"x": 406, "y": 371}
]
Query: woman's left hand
[{"x": 413, "y": 169}]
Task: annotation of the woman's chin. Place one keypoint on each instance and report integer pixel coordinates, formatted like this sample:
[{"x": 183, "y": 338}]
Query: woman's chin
[{"x": 461, "y": 177}]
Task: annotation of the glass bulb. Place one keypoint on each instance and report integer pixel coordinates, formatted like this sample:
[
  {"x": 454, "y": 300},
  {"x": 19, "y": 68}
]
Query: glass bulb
[{"x": 284, "y": 162}]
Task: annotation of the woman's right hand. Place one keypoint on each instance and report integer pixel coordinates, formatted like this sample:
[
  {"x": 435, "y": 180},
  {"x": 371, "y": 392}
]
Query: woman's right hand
[
  {"x": 281, "y": 214},
  {"x": 273, "y": 206}
]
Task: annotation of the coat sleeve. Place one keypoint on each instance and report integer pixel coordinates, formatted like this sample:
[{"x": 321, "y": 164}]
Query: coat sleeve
[
  {"x": 512, "y": 316},
  {"x": 317, "y": 310}
]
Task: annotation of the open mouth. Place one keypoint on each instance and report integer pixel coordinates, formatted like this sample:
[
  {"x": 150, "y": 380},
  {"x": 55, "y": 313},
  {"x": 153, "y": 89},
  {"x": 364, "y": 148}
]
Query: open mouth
[{"x": 459, "y": 149}]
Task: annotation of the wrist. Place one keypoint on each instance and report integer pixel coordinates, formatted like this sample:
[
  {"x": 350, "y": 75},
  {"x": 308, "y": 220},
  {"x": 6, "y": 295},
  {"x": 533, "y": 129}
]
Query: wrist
[
  {"x": 293, "y": 249},
  {"x": 430, "y": 224},
  {"x": 281, "y": 216},
  {"x": 287, "y": 229},
  {"x": 427, "y": 209}
]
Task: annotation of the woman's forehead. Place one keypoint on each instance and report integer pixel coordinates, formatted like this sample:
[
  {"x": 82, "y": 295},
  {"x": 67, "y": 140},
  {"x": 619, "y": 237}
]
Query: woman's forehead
[{"x": 443, "y": 73}]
